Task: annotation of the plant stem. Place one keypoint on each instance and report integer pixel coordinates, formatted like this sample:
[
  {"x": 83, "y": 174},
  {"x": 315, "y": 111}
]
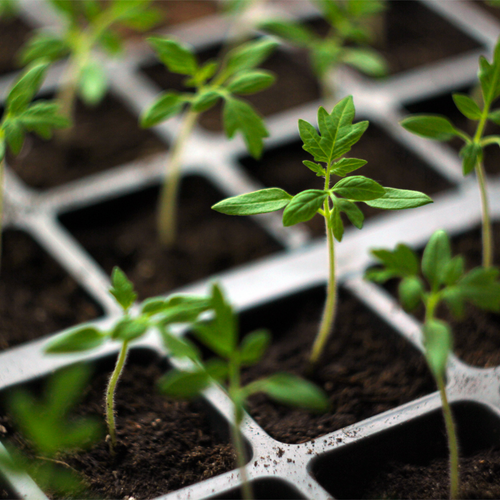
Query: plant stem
[
  {"x": 452, "y": 440},
  {"x": 328, "y": 317},
  {"x": 167, "y": 203},
  {"x": 2, "y": 181},
  {"x": 110, "y": 393},
  {"x": 486, "y": 221}
]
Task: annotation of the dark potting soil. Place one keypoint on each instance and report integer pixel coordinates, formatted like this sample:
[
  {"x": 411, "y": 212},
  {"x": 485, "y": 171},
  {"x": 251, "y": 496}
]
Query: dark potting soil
[
  {"x": 479, "y": 477},
  {"x": 295, "y": 85},
  {"x": 444, "y": 105},
  {"x": 36, "y": 296},
  {"x": 123, "y": 233},
  {"x": 366, "y": 368},
  {"x": 13, "y": 34},
  {"x": 388, "y": 163},
  {"x": 163, "y": 445},
  {"x": 175, "y": 11},
  {"x": 103, "y": 137}
]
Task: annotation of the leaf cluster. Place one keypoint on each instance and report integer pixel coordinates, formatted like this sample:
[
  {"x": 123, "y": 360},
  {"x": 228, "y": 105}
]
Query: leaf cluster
[
  {"x": 21, "y": 115},
  {"x": 337, "y": 134},
  {"x": 221, "y": 336},
  {"x": 90, "y": 23},
  {"x": 237, "y": 74},
  {"x": 49, "y": 428},
  {"x": 438, "y": 278},
  {"x": 441, "y": 128},
  {"x": 347, "y": 41}
]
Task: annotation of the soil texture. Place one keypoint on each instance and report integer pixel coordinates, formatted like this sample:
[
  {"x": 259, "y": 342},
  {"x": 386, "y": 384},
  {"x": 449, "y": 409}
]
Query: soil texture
[
  {"x": 295, "y": 85},
  {"x": 36, "y": 296},
  {"x": 366, "y": 368},
  {"x": 164, "y": 444},
  {"x": 13, "y": 34},
  {"x": 479, "y": 476},
  {"x": 123, "y": 233},
  {"x": 388, "y": 163},
  {"x": 102, "y": 137},
  {"x": 176, "y": 12}
]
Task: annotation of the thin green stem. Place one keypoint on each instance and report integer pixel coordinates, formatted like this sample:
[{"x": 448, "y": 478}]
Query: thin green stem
[
  {"x": 167, "y": 203},
  {"x": 2, "y": 181},
  {"x": 486, "y": 221},
  {"x": 328, "y": 317},
  {"x": 110, "y": 396},
  {"x": 452, "y": 440}
]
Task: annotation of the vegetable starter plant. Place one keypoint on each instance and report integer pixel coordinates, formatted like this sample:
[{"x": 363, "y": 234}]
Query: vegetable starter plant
[
  {"x": 221, "y": 336},
  {"x": 338, "y": 135},
  {"x": 235, "y": 74},
  {"x": 448, "y": 283},
  {"x": 440, "y": 128}
]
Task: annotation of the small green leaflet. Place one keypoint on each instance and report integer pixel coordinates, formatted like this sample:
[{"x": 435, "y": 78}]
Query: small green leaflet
[
  {"x": 122, "y": 289},
  {"x": 354, "y": 214},
  {"x": 400, "y": 199},
  {"x": 471, "y": 154},
  {"x": 359, "y": 188},
  {"x": 303, "y": 206},
  {"x": 467, "y": 106},
  {"x": 166, "y": 105},
  {"x": 489, "y": 76},
  {"x": 176, "y": 56},
  {"x": 258, "y": 202},
  {"x": 250, "y": 82},
  {"x": 79, "y": 339},
  {"x": 315, "y": 167},
  {"x": 238, "y": 115},
  {"x": 402, "y": 260},
  {"x": 253, "y": 347},
  {"x": 249, "y": 55},
  {"x": 438, "y": 345},
  {"x": 25, "y": 88},
  {"x": 346, "y": 165},
  {"x": 434, "y": 127},
  {"x": 410, "y": 291},
  {"x": 92, "y": 83},
  {"x": 288, "y": 30},
  {"x": 436, "y": 255}
]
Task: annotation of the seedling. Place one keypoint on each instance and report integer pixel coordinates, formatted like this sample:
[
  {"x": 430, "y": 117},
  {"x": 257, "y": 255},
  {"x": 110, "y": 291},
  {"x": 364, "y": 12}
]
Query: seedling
[
  {"x": 346, "y": 42},
  {"x": 235, "y": 74},
  {"x": 440, "y": 128},
  {"x": 153, "y": 314},
  {"x": 89, "y": 24},
  {"x": 448, "y": 283},
  {"x": 21, "y": 116},
  {"x": 50, "y": 430},
  {"x": 338, "y": 135},
  {"x": 221, "y": 336}
]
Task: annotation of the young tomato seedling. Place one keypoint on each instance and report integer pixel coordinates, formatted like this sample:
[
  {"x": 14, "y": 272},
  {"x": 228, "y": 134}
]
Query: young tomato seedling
[
  {"x": 447, "y": 283},
  {"x": 338, "y": 135},
  {"x": 440, "y": 128},
  {"x": 235, "y": 74},
  {"x": 88, "y": 24},
  {"x": 221, "y": 336},
  {"x": 21, "y": 116},
  {"x": 154, "y": 313},
  {"x": 346, "y": 42},
  {"x": 50, "y": 429}
]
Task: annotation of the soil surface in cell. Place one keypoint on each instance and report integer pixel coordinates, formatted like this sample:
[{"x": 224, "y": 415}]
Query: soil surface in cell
[
  {"x": 366, "y": 368},
  {"x": 124, "y": 233},
  {"x": 295, "y": 85},
  {"x": 36, "y": 296},
  {"x": 479, "y": 477},
  {"x": 102, "y": 137},
  {"x": 13, "y": 34},
  {"x": 444, "y": 105},
  {"x": 388, "y": 163},
  {"x": 163, "y": 445},
  {"x": 476, "y": 338}
]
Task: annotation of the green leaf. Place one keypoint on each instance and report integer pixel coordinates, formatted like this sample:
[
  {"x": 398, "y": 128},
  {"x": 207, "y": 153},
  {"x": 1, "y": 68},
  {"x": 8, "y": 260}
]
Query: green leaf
[
  {"x": 471, "y": 154},
  {"x": 438, "y": 345},
  {"x": 250, "y": 82},
  {"x": 177, "y": 384},
  {"x": 25, "y": 88},
  {"x": 453, "y": 270},
  {"x": 249, "y": 55},
  {"x": 143, "y": 21},
  {"x": 176, "y": 56},
  {"x": 400, "y": 199},
  {"x": 41, "y": 117},
  {"x": 411, "y": 291},
  {"x": 346, "y": 165},
  {"x": 111, "y": 43},
  {"x": 205, "y": 100},
  {"x": 43, "y": 45},
  {"x": 402, "y": 261},
  {"x": 295, "y": 391},
  {"x": 203, "y": 74},
  {"x": 354, "y": 214},
  {"x": 288, "y": 30},
  {"x": 467, "y": 106},
  {"x": 315, "y": 167},
  {"x": 481, "y": 287},
  {"x": 336, "y": 224},
  {"x": 379, "y": 275},
  {"x": 494, "y": 116},
  {"x": 436, "y": 255},
  {"x": 253, "y": 347},
  {"x": 80, "y": 339},
  {"x": 122, "y": 289},
  {"x": 455, "y": 301},
  {"x": 238, "y": 115},
  {"x": 258, "y": 202},
  {"x": 128, "y": 329},
  {"x": 359, "y": 188},
  {"x": 167, "y": 104},
  {"x": 14, "y": 135},
  {"x": 303, "y": 206},
  {"x": 65, "y": 7},
  {"x": 312, "y": 141},
  {"x": 92, "y": 83},
  {"x": 179, "y": 347},
  {"x": 2, "y": 149},
  {"x": 366, "y": 60},
  {"x": 489, "y": 76},
  {"x": 434, "y": 127}
]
